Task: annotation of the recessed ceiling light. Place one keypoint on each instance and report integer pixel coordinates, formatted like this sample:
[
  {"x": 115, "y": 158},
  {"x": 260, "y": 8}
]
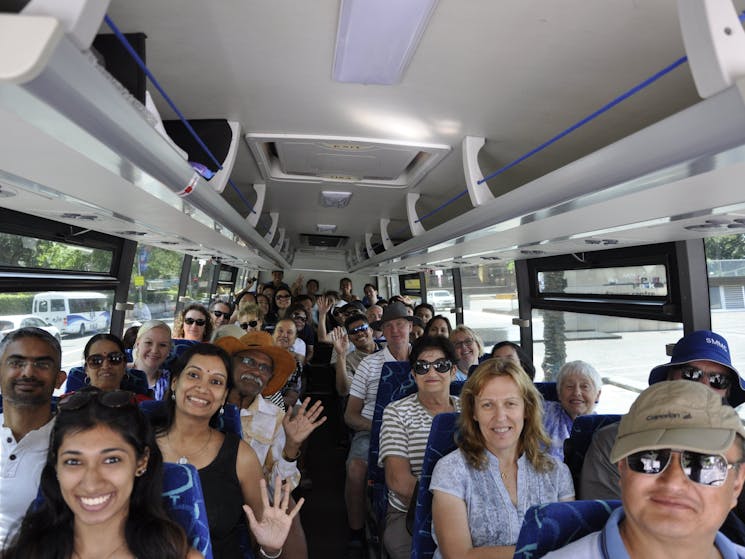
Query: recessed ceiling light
[
  {"x": 325, "y": 228},
  {"x": 335, "y": 199}
]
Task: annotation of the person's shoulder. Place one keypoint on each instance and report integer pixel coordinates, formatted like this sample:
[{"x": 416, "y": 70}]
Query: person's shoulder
[{"x": 587, "y": 547}]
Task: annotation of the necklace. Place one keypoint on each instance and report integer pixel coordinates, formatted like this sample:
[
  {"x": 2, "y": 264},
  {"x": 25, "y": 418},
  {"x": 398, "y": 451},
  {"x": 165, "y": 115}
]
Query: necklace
[
  {"x": 121, "y": 545},
  {"x": 184, "y": 459}
]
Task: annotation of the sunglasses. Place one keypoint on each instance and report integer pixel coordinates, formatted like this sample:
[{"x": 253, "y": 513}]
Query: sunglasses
[
  {"x": 706, "y": 469},
  {"x": 251, "y": 363},
  {"x": 718, "y": 381},
  {"x": 220, "y": 314},
  {"x": 96, "y": 360},
  {"x": 251, "y": 323},
  {"x": 109, "y": 399},
  {"x": 439, "y": 365},
  {"x": 283, "y": 297},
  {"x": 359, "y": 329},
  {"x": 299, "y": 317},
  {"x": 198, "y": 321}
]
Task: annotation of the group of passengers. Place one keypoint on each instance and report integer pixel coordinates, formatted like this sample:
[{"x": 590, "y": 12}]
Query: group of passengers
[{"x": 93, "y": 469}]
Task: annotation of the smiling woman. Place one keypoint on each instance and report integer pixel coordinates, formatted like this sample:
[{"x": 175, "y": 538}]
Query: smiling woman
[{"x": 101, "y": 487}]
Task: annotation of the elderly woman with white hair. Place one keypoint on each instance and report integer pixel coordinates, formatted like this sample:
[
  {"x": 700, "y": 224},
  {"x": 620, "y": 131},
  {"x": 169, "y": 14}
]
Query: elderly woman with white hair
[{"x": 578, "y": 385}]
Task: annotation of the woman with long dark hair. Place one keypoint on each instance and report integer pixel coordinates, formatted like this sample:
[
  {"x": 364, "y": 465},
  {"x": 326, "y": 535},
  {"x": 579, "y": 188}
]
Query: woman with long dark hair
[
  {"x": 102, "y": 486},
  {"x": 229, "y": 471}
]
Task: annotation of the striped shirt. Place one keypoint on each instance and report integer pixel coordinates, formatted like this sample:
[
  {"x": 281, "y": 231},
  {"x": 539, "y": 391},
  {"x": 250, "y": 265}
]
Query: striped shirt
[
  {"x": 366, "y": 380},
  {"x": 405, "y": 430}
]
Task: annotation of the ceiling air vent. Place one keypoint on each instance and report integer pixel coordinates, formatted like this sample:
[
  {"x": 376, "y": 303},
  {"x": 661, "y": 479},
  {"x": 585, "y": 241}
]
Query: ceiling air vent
[
  {"x": 323, "y": 241},
  {"x": 360, "y": 161}
]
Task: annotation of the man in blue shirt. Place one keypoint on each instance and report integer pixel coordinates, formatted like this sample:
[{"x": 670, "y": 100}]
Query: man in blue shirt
[{"x": 679, "y": 452}]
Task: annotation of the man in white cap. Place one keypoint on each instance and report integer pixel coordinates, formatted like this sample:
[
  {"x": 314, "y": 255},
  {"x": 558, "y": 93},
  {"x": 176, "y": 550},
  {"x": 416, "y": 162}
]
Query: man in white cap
[
  {"x": 396, "y": 326},
  {"x": 679, "y": 452}
]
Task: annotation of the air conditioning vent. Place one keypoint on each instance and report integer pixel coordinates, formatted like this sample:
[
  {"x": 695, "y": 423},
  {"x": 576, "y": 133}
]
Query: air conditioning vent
[
  {"x": 323, "y": 241},
  {"x": 360, "y": 161}
]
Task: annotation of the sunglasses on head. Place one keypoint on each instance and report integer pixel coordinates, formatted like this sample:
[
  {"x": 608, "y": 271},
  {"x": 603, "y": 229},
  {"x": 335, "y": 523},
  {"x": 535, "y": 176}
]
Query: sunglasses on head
[
  {"x": 251, "y": 323},
  {"x": 718, "y": 381},
  {"x": 109, "y": 399},
  {"x": 705, "y": 469},
  {"x": 96, "y": 360},
  {"x": 197, "y": 321},
  {"x": 359, "y": 329},
  {"x": 421, "y": 367},
  {"x": 220, "y": 314}
]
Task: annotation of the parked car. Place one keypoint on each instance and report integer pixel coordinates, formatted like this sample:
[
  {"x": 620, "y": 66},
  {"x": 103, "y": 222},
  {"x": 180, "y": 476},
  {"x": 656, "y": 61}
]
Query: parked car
[
  {"x": 15, "y": 321},
  {"x": 441, "y": 299}
]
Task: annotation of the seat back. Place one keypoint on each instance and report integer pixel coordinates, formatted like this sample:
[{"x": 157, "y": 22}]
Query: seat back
[
  {"x": 551, "y": 526},
  {"x": 548, "y": 391},
  {"x": 575, "y": 447},
  {"x": 134, "y": 381},
  {"x": 228, "y": 422},
  {"x": 183, "y": 499},
  {"x": 441, "y": 442},
  {"x": 178, "y": 347},
  {"x": 395, "y": 383},
  {"x": 456, "y": 387}
]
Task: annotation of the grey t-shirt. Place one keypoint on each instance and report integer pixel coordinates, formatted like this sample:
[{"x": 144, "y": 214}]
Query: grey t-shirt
[{"x": 600, "y": 477}]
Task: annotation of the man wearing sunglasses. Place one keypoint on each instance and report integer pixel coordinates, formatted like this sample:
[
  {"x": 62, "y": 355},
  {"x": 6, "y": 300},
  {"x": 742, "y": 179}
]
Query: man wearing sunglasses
[
  {"x": 703, "y": 357},
  {"x": 29, "y": 372},
  {"x": 352, "y": 344},
  {"x": 679, "y": 452}
]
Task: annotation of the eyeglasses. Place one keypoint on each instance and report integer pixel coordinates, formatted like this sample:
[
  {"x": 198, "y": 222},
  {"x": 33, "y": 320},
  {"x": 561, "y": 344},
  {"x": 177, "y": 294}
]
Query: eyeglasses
[
  {"x": 41, "y": 364},
  {"x": 96, "y": 360},
  {"x": 251, "y": 363},
  {"x": 706, "y": 469},
  {"x": 198, "y": 321},
  {"x": 251, "y": 323},
  {"x": 718, "y": 381},
  {"x": 299, "y": 317},
  {"x": 440, "y": 365},
  {"x": 467, "y": 342},
  {"x": 218, "y": 314},
  {"x": 109, "y": 398},
  {"x": 359, "y": 329}
]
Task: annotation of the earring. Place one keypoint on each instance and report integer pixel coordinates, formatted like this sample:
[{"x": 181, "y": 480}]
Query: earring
[
  {"x": 138, "y": 473},
  {"x": 222, "y": 410},
  {"x": 173, "y": 396}
]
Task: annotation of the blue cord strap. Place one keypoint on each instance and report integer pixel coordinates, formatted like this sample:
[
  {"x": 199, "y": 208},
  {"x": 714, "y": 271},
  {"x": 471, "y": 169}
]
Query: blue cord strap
[{"x": 128, "y": 47}]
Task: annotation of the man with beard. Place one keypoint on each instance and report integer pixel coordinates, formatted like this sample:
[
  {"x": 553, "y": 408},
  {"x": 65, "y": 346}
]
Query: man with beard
[
  {"x": 261, "y": 369},
  {"x": 30, "y": 361}
]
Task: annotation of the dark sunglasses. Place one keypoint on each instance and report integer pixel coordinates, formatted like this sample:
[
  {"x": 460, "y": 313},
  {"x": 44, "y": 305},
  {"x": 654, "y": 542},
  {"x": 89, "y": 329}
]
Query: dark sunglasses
[
  {"x": 439, "y": 365},
  {"x": 199, "y": 321},
  {"x": 718, "y": 381},
  {"x": 706, "y": 469},
  {"x": 219, "y": 314},
  {"x": 96, "y": 360},
  {"x": 109, "y": 399},
  {"x": 299, "y": 317},
  {"x": 251, "y": 323},
  {"x": 359, "y": 329},
  {"x": 283, "y": 297}
]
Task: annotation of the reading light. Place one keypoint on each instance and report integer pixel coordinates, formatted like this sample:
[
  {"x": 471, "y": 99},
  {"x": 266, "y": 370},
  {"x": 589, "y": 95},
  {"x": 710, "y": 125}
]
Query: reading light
[
  {"x": 335, "y": 199},
  {"x": 376, "y": 39}
]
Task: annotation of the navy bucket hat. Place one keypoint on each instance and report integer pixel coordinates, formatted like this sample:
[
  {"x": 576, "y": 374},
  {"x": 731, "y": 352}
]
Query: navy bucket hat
[{"x": 702, "y": 345}]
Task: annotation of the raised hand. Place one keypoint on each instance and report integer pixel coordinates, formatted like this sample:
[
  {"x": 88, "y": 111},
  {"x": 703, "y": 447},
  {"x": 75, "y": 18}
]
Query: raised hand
[
  {"x": 324, "y": 304},
  {"x": 271, "y": 531},
  {"x": 340, "y": 340},
  {"x": 298, "y": 427}
]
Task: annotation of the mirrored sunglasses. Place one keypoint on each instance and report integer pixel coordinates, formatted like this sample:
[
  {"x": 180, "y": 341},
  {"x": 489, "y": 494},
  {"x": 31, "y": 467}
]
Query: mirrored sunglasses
[
  {"x": 705, "y": 469},
  {"x": 299, "y": 317},
  {"x": 718, "y": 381},
  {"x": 198, "y": 321},
  {"x": 96, "y": 360},
  {"x": 359, "y": 329},
  {"x": 440, "y": 365}
]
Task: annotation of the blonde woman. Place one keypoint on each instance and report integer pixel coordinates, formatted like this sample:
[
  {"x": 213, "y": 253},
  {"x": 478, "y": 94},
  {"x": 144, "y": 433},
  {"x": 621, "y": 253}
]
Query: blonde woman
[
  {"x": 151, "y": 349},
  {"x": 468, "y": 349}
]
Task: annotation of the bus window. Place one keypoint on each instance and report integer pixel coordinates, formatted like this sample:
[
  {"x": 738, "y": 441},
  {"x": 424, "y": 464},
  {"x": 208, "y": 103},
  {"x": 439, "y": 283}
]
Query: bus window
[
  {"x": 490, "y": 302},
  {"x": 623, "y": 350},
  {"x": 153, "y": 289},
  {"x": 28, "y": 252},
  {"x": 440, "y": 294},
  {"x": 725, "y": 263},
  {"x": 200, "y": 280}
]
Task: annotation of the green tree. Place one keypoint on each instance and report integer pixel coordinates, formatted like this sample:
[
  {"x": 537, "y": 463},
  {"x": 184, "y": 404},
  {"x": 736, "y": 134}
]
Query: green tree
[
  {"x": 728, "y": 247},
  {"x": 554, "y": 329}
]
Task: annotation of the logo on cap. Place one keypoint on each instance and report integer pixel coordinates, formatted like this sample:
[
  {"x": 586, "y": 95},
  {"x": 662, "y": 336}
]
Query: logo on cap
[{"x": 718, "y": 343}]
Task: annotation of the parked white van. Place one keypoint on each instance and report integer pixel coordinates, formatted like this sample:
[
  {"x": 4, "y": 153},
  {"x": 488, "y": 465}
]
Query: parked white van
[{"x": 73, "y": 312}]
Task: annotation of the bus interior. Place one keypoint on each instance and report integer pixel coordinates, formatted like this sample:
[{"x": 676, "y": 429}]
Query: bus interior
[{"x": 562, "y": 175}]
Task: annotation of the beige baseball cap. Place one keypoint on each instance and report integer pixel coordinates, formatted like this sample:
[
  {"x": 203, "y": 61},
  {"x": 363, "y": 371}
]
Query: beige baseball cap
[{"x": 680, "y": 415}]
